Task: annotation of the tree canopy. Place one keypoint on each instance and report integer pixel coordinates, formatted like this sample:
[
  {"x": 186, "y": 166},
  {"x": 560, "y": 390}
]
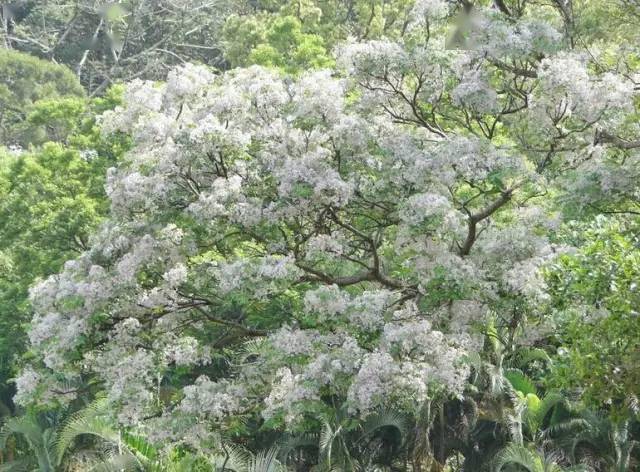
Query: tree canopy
[
  {"x": 24, "y": 81},
  {"x": 335, "y": 236}
]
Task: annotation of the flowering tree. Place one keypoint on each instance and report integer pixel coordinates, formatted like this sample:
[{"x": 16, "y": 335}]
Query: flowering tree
[{"x": 279, "y": 248}]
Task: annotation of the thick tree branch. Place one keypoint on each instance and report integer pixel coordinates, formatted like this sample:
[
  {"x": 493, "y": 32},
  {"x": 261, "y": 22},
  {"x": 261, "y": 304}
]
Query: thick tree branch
[
  {"x": 474, "y": 219},
  {"x": 603, "y": 137},
  {"x": 252, "y": 332}
]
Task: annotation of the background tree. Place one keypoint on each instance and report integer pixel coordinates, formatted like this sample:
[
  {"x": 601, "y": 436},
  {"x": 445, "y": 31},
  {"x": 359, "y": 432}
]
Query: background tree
[
  {"x": 24, "y": 80},
  {"x": 595, "y": 301},
  {"x": 106, "y": 42},
  {"x": 51, "y": 199}
]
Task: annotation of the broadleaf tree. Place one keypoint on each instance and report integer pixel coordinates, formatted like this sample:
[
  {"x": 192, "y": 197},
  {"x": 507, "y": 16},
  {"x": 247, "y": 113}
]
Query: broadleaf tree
[{"x": 284, "y": 247}]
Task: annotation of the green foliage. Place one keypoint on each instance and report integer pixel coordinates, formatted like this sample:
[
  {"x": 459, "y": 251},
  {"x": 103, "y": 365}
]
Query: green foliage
[
  {"x": 39, "y": 438},
  {"x": 51, "y": 199},
  {"x": 103, "y": 42},
  {"x": 515, "y": 415},
  {"x": 520, "y": 382},
  {"x": 296, "y": 36},
  {"x": 595, "y": 296},
  {"x": 279, "y": 43},
  {"x": 517, "y": 458},
  {"x": 24, "y": 82}
]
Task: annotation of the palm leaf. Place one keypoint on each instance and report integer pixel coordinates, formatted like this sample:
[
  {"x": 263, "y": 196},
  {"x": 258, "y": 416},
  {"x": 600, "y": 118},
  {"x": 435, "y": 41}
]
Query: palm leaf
[
  {"x": 40, "y": 440},
  {"x": 240, "y": 460},
  {"x": 117, "y": 462},
  {"x": 526, "y": 356},
  {"x": 385, "y": 419},
  {"x": 139, "y": 447},
  {"x": 515, "y": 454},
  {"x": 520, "y": 382},
  {"x": 291, "y": 443},
  {"x": 265, "y": 461},
  {"x": 549, "y": 403},
  {"x": 90, "y": 420},
  {"x": 236, "y": 459},
  {"x": 326, "y": 438}
]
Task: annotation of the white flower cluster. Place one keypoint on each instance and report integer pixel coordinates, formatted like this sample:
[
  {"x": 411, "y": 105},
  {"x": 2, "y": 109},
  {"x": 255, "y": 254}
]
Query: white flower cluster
[
  {"x": 27, "y": 384},
  {"x": 217, "y": 200},
  {"x": 327, "y": 300},
  {"x": 185, "y": 351},
  {"x": 492, "y": 35},
  {"x": 336, "y": 358},
  {"x": 474, "y": 92},
  {"x": 367, "y": 310},
  {"x": 287, "y": 395},
  {"x": 294, "y": 342},
  {"x": 319, "y": 213},
  {"x": 211, "y": 399},
  {"x": 373, "y": 58},
  {"x": 263, "y": 274},
  {"x": 375, "y": 381},
  {"x": 567, "y": 89},
  {"x": 428, "y": 10},
  {"x": 434, "y": 209},
  {"x": 412, "y": 362}
]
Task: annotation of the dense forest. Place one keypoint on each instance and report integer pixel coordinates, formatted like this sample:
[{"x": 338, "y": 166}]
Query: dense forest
[{"x": 320, "y": 235}]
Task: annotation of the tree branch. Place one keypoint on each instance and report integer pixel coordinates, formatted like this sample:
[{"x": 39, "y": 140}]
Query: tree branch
[
  {"x": 474, "y": 219},
  {"x": 606, "y": 137}
]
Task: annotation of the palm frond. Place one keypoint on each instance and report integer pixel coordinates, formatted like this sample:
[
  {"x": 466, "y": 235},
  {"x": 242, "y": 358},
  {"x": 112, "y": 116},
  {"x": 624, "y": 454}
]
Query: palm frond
[
  {"x": 41, "y": 440},
  {"x": 19, "y": 465},
  {"x": 520, "y": 382},
  {"x": 566, "y": 427},
  {"x": 139, "y": 447},
  {"x": 290, "y": 443},
  {"x": 526, "y": 356},
  {"x": 235, "y": 458},
  {"x": 240, "y": 460},
  {"x": 385, "y": 419},
  {"x": 514, "y": 425},
  {"x": 515, "y": 454},
  {"x": 90, "y": 420},
  {"x": 265, "y": 461},
  {"x": 26, "y": 425},
  {"x": 327, "y": 435},
  {"x": 117, "y": 462},
  {"x": 548, "y": 403}
]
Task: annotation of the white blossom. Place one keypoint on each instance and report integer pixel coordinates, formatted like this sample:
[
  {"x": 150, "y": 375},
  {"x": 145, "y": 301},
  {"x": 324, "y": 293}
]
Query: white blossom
[
  {"x": 326, "y": 300},
  {"x": 212, "y": 399}
]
